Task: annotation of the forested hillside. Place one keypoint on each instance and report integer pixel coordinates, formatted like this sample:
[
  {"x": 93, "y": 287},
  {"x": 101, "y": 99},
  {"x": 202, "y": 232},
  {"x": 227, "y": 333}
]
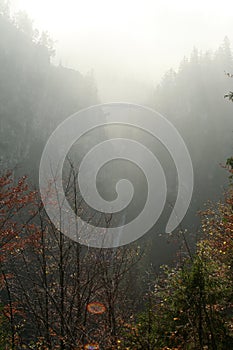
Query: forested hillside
[
  {"x": 35, "y": 95},
  {"x": 193, "y": 99}
]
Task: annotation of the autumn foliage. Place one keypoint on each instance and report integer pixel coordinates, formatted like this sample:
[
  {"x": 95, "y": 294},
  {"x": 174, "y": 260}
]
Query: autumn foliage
[
  {"x": 189, "y": 306},
  {"x": 14, "y": 221}
]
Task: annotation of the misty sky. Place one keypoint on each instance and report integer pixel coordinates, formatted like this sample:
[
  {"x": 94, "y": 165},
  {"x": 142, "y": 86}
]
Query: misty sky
[{"x": 129, "y": 43}]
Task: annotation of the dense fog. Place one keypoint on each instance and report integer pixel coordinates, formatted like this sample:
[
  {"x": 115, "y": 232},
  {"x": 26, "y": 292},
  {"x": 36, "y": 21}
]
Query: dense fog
[{"x": 175, "y": 58}]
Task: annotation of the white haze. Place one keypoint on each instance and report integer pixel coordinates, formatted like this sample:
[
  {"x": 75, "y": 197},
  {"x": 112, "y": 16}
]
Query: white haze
[{"x": 129, "y": 44}]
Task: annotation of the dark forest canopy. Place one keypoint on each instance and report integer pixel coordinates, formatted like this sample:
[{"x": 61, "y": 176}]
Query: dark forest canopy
[
  {"x": 35, "y": 95},
  {"x": 192, "y": 98}
]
